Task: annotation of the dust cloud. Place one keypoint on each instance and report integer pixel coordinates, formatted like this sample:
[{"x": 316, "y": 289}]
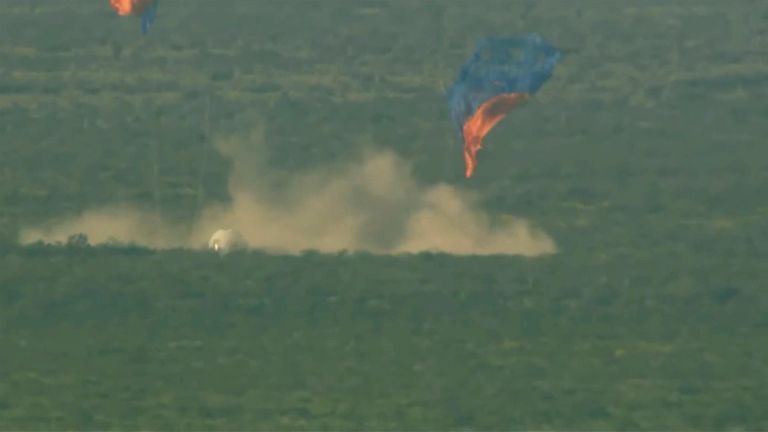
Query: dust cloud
[{"x": 373, "y": 204}]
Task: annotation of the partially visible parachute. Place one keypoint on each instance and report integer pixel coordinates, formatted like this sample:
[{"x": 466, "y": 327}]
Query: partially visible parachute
[
  {"x": 500, "y": 73},
  {"x": 146, "y": 9}
]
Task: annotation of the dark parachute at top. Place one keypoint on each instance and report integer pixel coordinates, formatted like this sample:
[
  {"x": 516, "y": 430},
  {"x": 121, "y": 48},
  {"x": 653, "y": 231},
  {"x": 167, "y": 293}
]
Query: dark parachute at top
[{"x": 501, "y": 72}]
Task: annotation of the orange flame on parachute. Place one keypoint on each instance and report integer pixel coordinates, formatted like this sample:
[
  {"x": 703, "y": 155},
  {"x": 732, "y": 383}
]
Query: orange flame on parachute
[
  {"x": 482, "y": 121},
  {"x": 129, "y": 7}
]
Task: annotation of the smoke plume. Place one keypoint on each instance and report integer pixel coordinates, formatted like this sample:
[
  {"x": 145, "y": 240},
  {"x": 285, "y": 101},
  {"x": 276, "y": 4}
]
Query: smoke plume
[{"x": 373, "y": 204}]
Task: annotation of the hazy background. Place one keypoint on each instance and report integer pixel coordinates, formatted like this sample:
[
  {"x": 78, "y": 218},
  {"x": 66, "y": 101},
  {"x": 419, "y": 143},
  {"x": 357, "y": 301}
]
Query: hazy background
[{"x": 621, "y": 215}]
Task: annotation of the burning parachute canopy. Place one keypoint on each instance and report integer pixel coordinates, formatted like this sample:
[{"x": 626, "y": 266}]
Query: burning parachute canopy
[
  {"x": 146, "y": 9},
  {"x": 500, "y": 73}
]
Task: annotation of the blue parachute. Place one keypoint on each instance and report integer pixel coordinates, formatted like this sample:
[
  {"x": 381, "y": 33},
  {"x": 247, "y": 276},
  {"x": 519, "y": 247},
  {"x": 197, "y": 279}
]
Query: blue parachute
[
  {"x": 501, "y": 72},
  {"x": 145, "y": 9},
  {"x": 148, "y": 16}
]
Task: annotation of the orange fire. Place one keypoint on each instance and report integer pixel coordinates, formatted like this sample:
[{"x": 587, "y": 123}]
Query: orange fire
[
  {"x": 129, "y": 7},
  {"x": 484, "y": 119}
]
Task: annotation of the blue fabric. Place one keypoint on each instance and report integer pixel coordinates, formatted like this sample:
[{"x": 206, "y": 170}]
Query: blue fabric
[
  {"x": 148, "y": 17},
  {"x": 500, "y": 65}
]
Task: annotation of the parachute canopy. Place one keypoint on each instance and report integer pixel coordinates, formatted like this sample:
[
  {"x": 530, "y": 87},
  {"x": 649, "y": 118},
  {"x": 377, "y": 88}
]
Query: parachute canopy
[
  {"x": 501, "y": 72},
  {"x": 146, "y": 9}
]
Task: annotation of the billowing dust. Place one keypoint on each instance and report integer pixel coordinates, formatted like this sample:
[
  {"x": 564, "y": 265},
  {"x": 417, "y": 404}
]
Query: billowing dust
[{"x": 373, "y": 204}]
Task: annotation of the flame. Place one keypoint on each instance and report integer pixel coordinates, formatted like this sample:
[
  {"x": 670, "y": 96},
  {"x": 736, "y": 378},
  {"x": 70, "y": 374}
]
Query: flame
[
  {"x": 482, "y": 121},
  {"x": 129, "y": 7}
]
